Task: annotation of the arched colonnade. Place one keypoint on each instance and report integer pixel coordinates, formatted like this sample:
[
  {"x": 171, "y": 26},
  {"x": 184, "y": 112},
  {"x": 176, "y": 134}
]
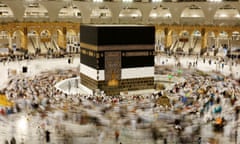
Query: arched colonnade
[
  {"x": 204, "y": 37},
  {"x": 20, "y": 34}
]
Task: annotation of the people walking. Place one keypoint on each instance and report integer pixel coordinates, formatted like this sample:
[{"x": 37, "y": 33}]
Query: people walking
[
  {"x": 13, "y": 140},
  {"x": 6, "y": 142},
  {"x": 47, "y": 135},
  {"x": 117, "y": 136}
]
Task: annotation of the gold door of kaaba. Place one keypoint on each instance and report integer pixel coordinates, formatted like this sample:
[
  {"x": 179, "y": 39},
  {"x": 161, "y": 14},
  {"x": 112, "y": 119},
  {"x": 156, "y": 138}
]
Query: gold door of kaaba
[{"x": 113, "y": 68}]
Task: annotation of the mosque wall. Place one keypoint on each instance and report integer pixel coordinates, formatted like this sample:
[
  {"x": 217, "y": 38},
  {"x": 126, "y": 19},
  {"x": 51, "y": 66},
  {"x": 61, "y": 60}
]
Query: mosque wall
[
  {"x": 165, "y": 33},
  {"x": 176, "y": 9}
]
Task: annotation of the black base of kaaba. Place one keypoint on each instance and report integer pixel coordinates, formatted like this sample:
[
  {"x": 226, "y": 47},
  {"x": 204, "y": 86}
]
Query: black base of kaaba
[{"x": 124, "y": 85}]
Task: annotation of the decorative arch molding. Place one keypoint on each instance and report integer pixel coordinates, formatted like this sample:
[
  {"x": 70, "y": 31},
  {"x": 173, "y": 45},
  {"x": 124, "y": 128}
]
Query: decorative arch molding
[
  {"x": 34, "y": 32},
  {"x": 18, "y": 39},
  {"x": 195, "y": 32},
  {"x": 226, "y": 15},
  {"x": 130, "y": 15},
  {"x": 226, "y": 11},
  {"x": 205, "y": 40},
  {"x": 192, "y": 14},
  {"x": 35, "y": 11},
  {"x": 70, "y": 12},
  {"x": 71, "y": 31},
  {"x": 101, "y": 14},
  {"x": 5, "y": 33},
  {"x": 64, "y": 27},
  {"x": 52, "y": 28},
  {"x": 45, "y": 35},
  {"x": 6, "y": 13},
  {"x": 160, "y": 14},
  {"x": 53, "y": 8}
]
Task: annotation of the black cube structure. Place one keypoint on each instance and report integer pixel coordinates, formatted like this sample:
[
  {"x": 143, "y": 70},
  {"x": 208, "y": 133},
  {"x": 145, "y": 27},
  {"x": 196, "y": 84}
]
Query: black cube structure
[
  {"x": 24, "y": 69},
  {"x": 117, "y": 58}
]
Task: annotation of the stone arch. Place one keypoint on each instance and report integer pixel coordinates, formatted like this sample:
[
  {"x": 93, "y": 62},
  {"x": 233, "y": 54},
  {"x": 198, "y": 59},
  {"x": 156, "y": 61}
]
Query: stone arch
[
  {"x": 5, "y": 33},
  {"x": 33, "y": 40},
  {"x": 211, "y": 39},
  {"x": 234, "y": 48},
  {"x": 158, "y": 34},
  {"x": 192, "y": 14},
  {"x": 59, "y": 38},
  {"x": 223, "y": 34},
  {"x": 160, "y": 14},
  {"x": 19, "y": 40},
  {"x": 184, "y": 33},
  {"x": 72, "y": 39},
  {"x": 71, "y": 34},
  {"x": 32, "y": 32},
  {"x": 226, "y": 11},
  {"x": 183, "y": 42},
  {"x": 223, "y": 41},
  {"x": 45, "y": 38},
  {"x": 160, "y": 39},
  {"x": 226, "y": 15},
  {"x": 71, "y": 31},
  {"x": 5, "y": 40},
  {"x": 196, "y": 32},
  {"x": 6, "y": 11},
  {"x": 235, "y": 35},
  {"x": 130, "y": 15},
  {"x": 101, "y": 14},
  {"x": 172, "y": 38},
  {"x": 35, "y": 12},
  {"x": 45, "y": 33},
  {"x": 195, "y": 42},
  {"x": 70, "y": 12}
]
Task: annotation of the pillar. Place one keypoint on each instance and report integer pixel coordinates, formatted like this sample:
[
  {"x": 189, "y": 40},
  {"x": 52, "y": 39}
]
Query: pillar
[
  {"x": 168, "y": 38},
  {"x": 217, "y": 40},
  {"x": 61, "y": 38},
  {"x": 24, "y": 39},
  {"x": 10, "y": 42},
  {"x": 204, "y": 40}
]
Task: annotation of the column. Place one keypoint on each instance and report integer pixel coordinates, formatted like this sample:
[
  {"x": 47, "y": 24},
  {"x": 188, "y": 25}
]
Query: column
[
  {"x": 37, "y": 41},
  {"x": 24, "y": 40},
  {"x": 61, "y": 38},
  {"x": 229, "y": 44},
  {"x": 168, "y": 38},
  {"x": 10, "y": 42},
  {"x": 204, "y": 40},
  {"x": 217, "y": 40}
]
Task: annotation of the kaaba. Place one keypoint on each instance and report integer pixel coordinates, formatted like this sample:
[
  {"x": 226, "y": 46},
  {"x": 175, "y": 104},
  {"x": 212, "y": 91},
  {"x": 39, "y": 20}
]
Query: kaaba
[{"x": 117, "y": 58}]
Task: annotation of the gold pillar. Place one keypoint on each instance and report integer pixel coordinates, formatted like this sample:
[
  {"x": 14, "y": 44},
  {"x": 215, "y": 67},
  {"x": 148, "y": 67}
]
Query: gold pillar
[
  {"x": 62, "y": 38},
  {"x": 24, "y": 39},
  {"x": 204, "y": 40},
  {"x": 168, "y": 38}
]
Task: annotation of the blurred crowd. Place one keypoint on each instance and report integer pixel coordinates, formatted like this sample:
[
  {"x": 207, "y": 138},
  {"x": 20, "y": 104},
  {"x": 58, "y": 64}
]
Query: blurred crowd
[{"x": 202, "y": 98}]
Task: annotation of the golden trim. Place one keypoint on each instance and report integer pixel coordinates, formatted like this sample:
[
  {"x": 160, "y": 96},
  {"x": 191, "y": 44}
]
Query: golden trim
[
  {"x": 89, "y": 46},
  {"x": 117, "y": 47},
  {"x": 125, "y": 47},
  {"x": 138, "y": 53}
]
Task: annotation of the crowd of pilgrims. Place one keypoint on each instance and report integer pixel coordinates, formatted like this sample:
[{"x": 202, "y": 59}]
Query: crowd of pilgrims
[{"x": 201, "y": 98}]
